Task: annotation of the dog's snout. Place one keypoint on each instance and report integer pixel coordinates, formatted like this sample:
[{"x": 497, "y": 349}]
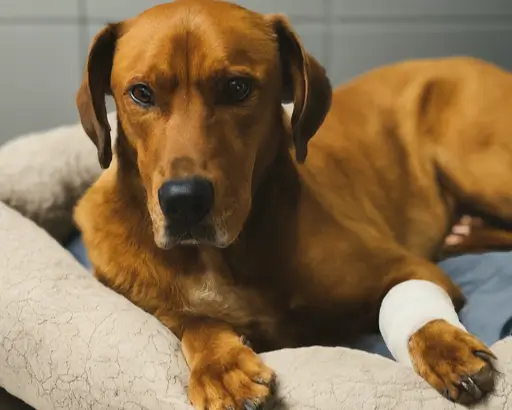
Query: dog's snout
[{"x": 186, "y": 201}]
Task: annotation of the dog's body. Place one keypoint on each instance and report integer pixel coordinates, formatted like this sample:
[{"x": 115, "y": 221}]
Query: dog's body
[{"x": 402, "y": 150}]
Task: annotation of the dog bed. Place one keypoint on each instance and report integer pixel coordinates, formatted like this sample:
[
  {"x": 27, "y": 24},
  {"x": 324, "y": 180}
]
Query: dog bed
[{"x": 68, "y": 342}]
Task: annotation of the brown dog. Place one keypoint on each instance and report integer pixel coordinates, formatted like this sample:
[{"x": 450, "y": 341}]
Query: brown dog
[{"x": 207, "y": 218}]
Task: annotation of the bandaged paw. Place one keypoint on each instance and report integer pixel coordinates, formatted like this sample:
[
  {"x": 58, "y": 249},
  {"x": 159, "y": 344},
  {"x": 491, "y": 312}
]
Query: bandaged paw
[{"x": 408, "y": 307}]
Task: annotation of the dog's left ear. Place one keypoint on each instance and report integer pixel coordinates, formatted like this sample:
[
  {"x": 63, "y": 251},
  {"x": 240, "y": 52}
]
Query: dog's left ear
[
  {"x": 305, "y": 83},
  {"x": 90, "y": 98}
]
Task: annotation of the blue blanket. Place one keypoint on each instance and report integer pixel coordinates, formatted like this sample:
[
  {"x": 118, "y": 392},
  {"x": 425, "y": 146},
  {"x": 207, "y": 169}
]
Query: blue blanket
[{"x": 486, "y": 280}]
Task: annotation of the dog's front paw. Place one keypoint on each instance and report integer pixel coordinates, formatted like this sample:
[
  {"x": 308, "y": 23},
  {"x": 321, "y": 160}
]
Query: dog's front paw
[
  {"x": 454, "y": 362},
  {"x": 238, "y": 380}
]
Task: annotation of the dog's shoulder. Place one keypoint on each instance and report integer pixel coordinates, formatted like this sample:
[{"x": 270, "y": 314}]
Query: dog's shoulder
[
  {"x": 98, "y": 205},
  {"x": 107, "y": 223}
]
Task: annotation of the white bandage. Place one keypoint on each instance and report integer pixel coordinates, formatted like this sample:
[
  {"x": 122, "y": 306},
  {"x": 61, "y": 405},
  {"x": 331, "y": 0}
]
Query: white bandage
[{"x": 408, "y": 307}]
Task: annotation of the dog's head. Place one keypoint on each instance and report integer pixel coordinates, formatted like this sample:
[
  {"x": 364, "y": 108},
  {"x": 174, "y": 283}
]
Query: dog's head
[{"x": 198, "y": 86}]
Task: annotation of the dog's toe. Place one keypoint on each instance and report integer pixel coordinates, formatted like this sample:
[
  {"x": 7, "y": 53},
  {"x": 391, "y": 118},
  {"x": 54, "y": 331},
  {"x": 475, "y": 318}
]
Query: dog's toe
[{"x": 253, "y": 405}]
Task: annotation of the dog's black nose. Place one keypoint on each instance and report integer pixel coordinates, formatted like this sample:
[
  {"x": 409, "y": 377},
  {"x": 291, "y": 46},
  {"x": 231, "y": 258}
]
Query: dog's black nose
[{"x": 186, "y": 201}]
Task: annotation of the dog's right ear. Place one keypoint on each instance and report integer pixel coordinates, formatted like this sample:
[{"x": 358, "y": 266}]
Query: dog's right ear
[
  {"x": 305, "y": 83},
  {"x": 90, "y": 98}
]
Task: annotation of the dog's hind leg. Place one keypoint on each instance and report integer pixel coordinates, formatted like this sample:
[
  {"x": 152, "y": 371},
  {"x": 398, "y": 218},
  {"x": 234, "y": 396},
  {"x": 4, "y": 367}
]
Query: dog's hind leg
[
  {"x": 468, "y": 129},
  {"x": 481, "y": 185},
  {"x": 475, "y": 236}
]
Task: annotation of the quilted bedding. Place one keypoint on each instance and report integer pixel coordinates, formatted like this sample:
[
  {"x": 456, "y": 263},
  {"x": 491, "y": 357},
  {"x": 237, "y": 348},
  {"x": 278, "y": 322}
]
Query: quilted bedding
[{"x": 67, "y": 342}]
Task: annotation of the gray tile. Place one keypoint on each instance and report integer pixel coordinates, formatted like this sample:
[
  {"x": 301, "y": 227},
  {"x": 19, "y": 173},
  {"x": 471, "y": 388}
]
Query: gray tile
[
  {"x": 301, "y": 8},
  {"x": 38, "y": 8},
  {"x": 360, "y": 47},
  {"x": 40, "y": 78},
  {"x": 422, "y": 8},
  {"x": 114, "y": 10}
]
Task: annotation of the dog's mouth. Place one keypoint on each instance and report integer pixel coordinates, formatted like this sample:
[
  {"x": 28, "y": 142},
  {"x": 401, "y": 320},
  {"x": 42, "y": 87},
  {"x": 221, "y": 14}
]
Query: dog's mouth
[
  {"x": 190, "y": 238},
  {"x": 216, "y": 231},
  {"x": 172, "y": 236}
]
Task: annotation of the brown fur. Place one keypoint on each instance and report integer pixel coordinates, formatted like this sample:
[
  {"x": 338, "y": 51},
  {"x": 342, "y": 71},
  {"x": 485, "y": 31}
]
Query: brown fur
[{"x": 300, "y": 254}]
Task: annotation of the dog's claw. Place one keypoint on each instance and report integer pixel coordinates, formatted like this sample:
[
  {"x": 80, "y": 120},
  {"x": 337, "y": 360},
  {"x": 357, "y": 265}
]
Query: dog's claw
[
  {"x": 485, "y": 356},
  {"x": 251, "y": 405},
  {"x": 484, "y": 378},
  {"x": 471, "y": 388},
  {"x": 245, "y": 341}
]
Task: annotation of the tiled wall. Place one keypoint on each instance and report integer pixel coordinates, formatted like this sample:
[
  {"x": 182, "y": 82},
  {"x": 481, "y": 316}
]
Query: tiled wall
[{"x": 43, "y": 43}]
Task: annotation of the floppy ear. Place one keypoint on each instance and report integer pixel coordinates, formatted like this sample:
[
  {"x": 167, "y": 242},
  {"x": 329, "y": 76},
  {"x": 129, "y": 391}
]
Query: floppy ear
[
  {"x": 90, "y": 98},
  {"x": 305, "y": 83}
]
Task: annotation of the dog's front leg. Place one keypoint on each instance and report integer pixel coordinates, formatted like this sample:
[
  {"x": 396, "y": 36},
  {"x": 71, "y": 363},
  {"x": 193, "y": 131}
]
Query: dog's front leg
[
  {"x": 226, "y": 374},
  {"x": 420, "y": 326}
]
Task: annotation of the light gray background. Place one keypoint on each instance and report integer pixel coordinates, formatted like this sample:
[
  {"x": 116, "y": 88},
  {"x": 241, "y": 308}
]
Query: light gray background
[{"x": 43, "y": 43}]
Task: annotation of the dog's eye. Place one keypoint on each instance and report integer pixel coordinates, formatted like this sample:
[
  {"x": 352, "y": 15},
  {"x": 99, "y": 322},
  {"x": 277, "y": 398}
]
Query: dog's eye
[
  {"x": 238, "y": 89},
  {"x": 142, "y": 95}
]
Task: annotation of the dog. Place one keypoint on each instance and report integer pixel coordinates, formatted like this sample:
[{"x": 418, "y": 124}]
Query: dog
[{"x": 224, "y": 217}]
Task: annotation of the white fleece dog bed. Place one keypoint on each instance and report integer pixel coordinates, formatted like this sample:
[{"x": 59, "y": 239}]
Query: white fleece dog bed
[{"x": 67, "y": 342}]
